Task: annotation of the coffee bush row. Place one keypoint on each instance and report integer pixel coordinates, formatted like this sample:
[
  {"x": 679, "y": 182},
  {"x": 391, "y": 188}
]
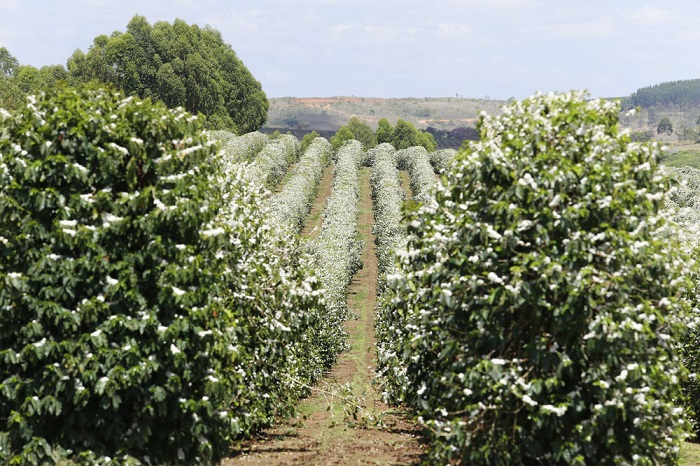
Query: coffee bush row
[
  {"x": 243, "y": 148},
  {"x": 545, "y": 295},
  {"x": 390, "y": 231},
  {"x": 337, "y": 247},
  {"x": 290, "y": 206},
  {"x": 148, "y": 311},
  {"x": 441, "y": 159},
  {"x": 272, "y": 162},
  {"x": 416, "y": 161}
]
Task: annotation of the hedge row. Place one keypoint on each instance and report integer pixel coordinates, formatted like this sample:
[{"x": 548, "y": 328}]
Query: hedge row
[
  {"x": 337, "y": 247},
  {"x": 543, "y": 296},
  {"x": 441, "y": 159},
  {"x": 291, "y": 205},
  {"x": 243, "y": 148},
  {"x": 416, "y": 161},
  {"x": 272, "y": 162},
  {"x": 148, "y": 312},
  {"x": 390, "y": 231}
]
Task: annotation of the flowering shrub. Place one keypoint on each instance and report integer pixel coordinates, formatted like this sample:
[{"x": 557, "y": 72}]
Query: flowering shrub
[
  {"x": 684, "y": 205},
  {"x": 291, "y": 206},
  {"x": 242, "y": 148},
  {"x": 416, "y": 161},
  {"x": 543, "y": 296},
  {"x": 271, "y": 164},
  {"x": 387, "y": 199},
  {"x": 370, "y": 155},
  {"x": 147, "y": 312},
  {"x": 390, "y": 231},
  {"x": 440, "y": 160},
  {"x": 337, "y": 248},
  {"x": 684, "y": 200}
]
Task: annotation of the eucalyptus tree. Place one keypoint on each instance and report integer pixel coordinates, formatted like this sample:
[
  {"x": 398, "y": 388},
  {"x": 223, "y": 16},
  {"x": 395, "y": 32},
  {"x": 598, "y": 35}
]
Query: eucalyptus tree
[{"x": 183, "y": 66}]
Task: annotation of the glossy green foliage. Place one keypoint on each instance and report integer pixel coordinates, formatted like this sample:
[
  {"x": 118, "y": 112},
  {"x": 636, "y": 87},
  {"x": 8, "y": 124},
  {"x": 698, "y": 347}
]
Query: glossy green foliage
[
  {"x": 181, "y": 65},
  {"x": 540, "y": 300},
  {"x": 129, "y": 326}
]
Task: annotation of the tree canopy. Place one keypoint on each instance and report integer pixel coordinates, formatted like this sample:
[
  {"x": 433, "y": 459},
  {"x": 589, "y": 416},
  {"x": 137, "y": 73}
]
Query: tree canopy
[
  {"x": 385, "y": 132},
  {"x": 355, "y": 129},
  {"x": 343, "y": 135},
  {"x": 665, "y": 126},
  {"x": 18, "y": 80},
  {"x": 181, "y": 65},
  {"x": 406, "y": 135},
  {"x": 684, "y": 93},
  {"x": 362, "y": 132}
]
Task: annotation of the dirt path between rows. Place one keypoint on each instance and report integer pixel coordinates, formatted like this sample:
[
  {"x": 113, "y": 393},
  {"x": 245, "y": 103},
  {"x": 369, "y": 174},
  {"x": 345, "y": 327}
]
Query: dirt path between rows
[
  {"x": 344, "y": 421},
  {"x": 406, "y": 183},
  {"x": 312, "y": 226}
]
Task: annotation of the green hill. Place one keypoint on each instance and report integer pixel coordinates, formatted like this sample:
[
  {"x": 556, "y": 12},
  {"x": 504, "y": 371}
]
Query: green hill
[{"x": 684, "y": 94}]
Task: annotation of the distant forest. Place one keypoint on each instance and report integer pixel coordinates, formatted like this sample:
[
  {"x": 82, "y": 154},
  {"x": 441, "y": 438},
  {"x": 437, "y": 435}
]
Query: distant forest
[{"x": 684, "y": 93}]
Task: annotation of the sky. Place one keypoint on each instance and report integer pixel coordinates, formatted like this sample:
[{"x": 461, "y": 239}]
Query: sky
[{"x": 400, "y": 48}]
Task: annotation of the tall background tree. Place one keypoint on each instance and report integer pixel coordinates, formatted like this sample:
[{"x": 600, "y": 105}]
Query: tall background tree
[
  {"x": 16, "y": 80},
  {"x": 385, "y": 132},
  {"x": 181, "y": 65},
  {"x": 406, "y": 135},
  {"x": 665, "y": 126},
  {"x": 362, "y": 132}
]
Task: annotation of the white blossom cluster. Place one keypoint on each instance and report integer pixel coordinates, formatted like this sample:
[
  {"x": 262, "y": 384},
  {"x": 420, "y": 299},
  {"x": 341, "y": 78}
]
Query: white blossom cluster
[
  {"x": 270, "y": 165},
  {"x": 441, "y": 159},
  {"x": 243, "y": 148},
  {"x": 390, "y": 231},
  {"x": 542, "y": 296},
  {"x": 337, "y": 247},
  {"x": 291, "y": 206},
  {"x": 416, "y": 161}
]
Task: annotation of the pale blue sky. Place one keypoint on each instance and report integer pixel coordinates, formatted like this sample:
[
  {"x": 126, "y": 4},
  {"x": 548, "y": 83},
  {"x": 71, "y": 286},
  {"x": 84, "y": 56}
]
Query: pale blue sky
[{"x": 401, "y": 48}]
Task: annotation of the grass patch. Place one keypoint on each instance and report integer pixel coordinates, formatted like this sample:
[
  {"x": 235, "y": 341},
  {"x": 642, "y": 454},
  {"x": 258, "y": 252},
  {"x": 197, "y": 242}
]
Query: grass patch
[
  {"x": 682, "y": 158},
  {"x": 690, "y": 454}
]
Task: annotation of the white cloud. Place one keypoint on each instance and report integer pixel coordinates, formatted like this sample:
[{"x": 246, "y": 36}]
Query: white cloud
[
  {"x": 455, "y": 31},
  {"x": 340, "y": 28}
]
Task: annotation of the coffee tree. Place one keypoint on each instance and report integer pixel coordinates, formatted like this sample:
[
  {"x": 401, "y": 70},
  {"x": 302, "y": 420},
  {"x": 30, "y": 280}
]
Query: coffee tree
[
  {"x": 542, "y": 296},
  {"x": 137, "y": 320}
]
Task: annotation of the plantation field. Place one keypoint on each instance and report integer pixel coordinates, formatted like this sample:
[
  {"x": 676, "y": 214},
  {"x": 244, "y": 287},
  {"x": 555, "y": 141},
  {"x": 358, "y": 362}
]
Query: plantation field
[{"x": 178, "y": 296}]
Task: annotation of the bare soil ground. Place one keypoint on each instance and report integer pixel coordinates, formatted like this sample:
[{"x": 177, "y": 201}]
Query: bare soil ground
[
  {"x": 312, "y": 226},
  {"x": 344, "y": 421}
]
